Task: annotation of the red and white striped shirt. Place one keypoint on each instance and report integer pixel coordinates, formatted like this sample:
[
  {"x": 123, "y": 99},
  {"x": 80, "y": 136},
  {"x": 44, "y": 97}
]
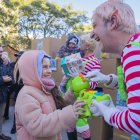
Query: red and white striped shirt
[
  {"x": 91, "y": 63},
  {"x": 129, "y": 119}
]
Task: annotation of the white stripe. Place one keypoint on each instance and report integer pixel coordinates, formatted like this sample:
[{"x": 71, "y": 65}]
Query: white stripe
[
  {"x": 91, "y": 61},
  {"x": 123, "y": 121},
  {"x": 87, "y": 69},
  {"x": 88, "y": 66},
  {"x": 84, "y": 73},
  {"x": 117, "y": 119},
  {"x": 84, "y": 59},
  {"x": 91, "y": 65},
  {"x": 134, "y": 106},
  {"x": 137, "y": 39},
  {"x": 130, "y": 49},
  {"x": 92, "y": 85},
  {"x": 131, "y": 59},
  {"x": 115, "y": 116},
  {"x": 96, "y": 61},
  {"x": 91, "y": 69},
  {"x": 133, "y": 125},
  {"x": 135, "y": 116},
  {"x": 81, "y": 129},
  {"x": 133, "y": 81},
  {"x": 133, "y": 94},
  {"x": 97, "y": 66},
  {"x": 131, "y": 70}
]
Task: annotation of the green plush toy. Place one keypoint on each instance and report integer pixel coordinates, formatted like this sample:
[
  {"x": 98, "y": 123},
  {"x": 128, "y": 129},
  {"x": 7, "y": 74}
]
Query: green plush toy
[
  {"x": 79, "y": 83},
  {"x": 81, "y": 90},
  {"x": 68, "y": 83},
  {"x": 87, "y": 95}
]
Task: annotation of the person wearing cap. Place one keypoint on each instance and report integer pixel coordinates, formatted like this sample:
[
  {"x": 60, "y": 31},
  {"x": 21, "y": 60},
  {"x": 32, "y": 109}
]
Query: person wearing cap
[{"x": 18, "y": 54}]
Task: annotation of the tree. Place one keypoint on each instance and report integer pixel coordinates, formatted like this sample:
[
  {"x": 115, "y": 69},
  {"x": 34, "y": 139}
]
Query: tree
[
  {"x": 9, "y": 24},
  {"x": 32, "y": 19},
  {"x": 8, "y": 21},
  {"x": 80, "y": 28},
  {"x": 49, "y": 19}
]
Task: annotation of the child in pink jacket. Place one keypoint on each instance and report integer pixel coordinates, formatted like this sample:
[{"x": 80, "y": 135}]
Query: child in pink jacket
[{"x": 40, "y": 110}]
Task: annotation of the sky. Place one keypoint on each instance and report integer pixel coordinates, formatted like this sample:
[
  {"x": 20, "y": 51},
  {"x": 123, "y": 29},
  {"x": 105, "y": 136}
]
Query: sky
[{"x": 90, "y": 5}]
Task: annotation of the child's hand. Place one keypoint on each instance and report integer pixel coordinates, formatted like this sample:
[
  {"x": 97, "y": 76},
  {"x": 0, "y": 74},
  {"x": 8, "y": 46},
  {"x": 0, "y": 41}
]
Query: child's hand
[{"x": 77, "y": 106}]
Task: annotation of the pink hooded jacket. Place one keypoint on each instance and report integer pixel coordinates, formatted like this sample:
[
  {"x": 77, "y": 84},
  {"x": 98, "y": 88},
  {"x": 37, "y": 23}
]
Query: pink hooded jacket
[{"x": 36, "y": 114}]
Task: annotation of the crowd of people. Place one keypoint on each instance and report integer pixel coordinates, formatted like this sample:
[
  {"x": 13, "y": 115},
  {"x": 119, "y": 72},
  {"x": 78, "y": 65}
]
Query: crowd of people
[
  {"x": 8, "y": 86},
  {"x": 41, "y": 112}
]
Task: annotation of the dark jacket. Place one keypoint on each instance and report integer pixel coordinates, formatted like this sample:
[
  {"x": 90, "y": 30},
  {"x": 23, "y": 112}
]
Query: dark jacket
[
  {"x": 66, "y": 50},
  {"x": 4, "y": 70},
  {"x": 16, "y": 86}
]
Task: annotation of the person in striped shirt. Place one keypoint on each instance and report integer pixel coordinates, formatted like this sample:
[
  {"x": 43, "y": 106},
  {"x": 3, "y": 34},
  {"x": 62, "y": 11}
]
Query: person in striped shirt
[
  {"x": 114, "y": 25},
  {"x": 90, "y": 62}
]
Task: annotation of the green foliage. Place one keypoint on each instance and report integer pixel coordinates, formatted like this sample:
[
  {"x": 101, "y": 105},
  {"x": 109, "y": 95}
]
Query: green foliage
[
  {"x": 80, "y": 28},
  {"x": 8, "y": 21},
  {"x": 49, "y": 19},
  {"x": 23, "y": 20}
]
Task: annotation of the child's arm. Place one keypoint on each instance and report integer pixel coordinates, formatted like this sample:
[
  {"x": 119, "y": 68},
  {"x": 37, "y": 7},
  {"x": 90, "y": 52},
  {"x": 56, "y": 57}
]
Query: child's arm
[{"x": 39, "y": 124}]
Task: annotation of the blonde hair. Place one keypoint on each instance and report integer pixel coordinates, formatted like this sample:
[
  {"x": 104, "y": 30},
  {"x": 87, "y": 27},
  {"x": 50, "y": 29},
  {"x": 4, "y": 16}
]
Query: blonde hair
[
  {"x": 5, "y": 55},
  {"x": 85, "y": 38},
  {"x": 17, "y": 77},
  {"x": 125, "y": 15}
]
